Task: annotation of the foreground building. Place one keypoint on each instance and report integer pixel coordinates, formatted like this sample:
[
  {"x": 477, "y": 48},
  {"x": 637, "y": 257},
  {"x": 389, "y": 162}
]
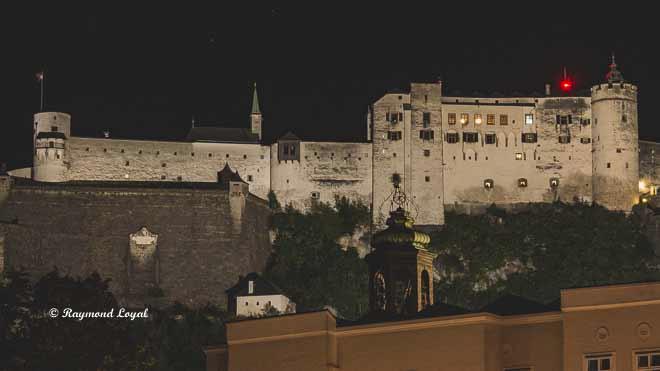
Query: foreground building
[
  {"x": 593, "y": 329},
  {"x": 452, "y": 152}
]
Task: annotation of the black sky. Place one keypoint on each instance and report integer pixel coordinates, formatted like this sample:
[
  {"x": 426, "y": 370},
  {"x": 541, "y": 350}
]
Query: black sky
[{"x": 144, "y": 70}]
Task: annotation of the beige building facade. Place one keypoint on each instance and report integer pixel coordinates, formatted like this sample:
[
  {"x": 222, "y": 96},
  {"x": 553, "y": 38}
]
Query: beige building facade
[
  {"x": 452, "y": 152},
  {"x": 598, "y": 328}
]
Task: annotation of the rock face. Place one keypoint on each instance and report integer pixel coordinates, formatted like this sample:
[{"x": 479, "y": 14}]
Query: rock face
[{"x": 157, "y": 243}]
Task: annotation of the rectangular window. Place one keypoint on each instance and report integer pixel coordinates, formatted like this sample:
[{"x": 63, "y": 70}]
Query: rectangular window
[
  {"x": 504, "y": 120},
  {"x": 490, "y": 138},
  {"x": 564, "y": 139},
  {"x": 426, "y": 134},
  {"x": 603, "y": 362},
  {"x": 426, "y": 119},
  {"x": 529, "y": 119},
  {"x": 316, "y": 195},
  {"x": 394, "y": 135},
  {"x": 477, "y": 118},
  {"x": 427, "y": 152},
  {"x": 529, "y": 137},
  {"x": 519, "y": 156},
  {"x": 53, "y": 128},
  {"x": 427, "y": 178},
  {"x": 452, "y": 138},
  {"x": 451, "y": 118},
  {"x": 51, "y": 144},
  {"x": 490, "y": 119},
  {"x": 250, "y": 178},
  {"x": 563, "y": 120},
  {"x": 465, "y": 118},
  {"x": 648, "y": 361},
  {"x": 585, "y": 140},
  {"x": 470, "y": 137},
  {"x": 285, "y": 149}
]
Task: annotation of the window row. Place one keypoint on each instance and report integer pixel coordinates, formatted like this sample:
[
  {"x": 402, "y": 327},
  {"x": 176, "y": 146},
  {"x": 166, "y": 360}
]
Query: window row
[
  {"x": 489, "y": 138},
  {"x": 157, "y": 153},
  {"x": 644, "y": 361},
  {"x": 522, "y": 183},
  {"x": 490, "y": 119}
]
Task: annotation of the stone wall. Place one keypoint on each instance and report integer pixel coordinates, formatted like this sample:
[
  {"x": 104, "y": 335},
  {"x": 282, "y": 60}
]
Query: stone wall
[
  {"x": 118, "y": 159},
  {"x": 86, "y": 228},
  {"x": 325, "y": 170}
]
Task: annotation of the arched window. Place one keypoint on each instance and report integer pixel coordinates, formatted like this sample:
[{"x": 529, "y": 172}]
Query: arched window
[
  {"x": 426, "y": 289},
  {"x": 380, "y": 295}
]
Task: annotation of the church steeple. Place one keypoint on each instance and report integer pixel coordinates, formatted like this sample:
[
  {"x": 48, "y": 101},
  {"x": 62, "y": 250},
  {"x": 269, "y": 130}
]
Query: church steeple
[
  {"x": 614, "y": 75},
  {"x": 400, "y": 266},
  {"x": 255, "y": 115},
  {"x": 255, "y": 101}
]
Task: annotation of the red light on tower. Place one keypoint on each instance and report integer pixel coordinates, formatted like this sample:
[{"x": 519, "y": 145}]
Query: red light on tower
[{"x": 566, "y": 84}]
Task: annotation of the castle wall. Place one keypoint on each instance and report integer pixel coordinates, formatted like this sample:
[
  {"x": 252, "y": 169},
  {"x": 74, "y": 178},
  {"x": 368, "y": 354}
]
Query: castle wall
[
  {"x": 649, "y": 164},
  {"x": 615, "y": 145},
  {"x": 509, "y": 159},
  {"x": 328, "y": 169},
  {"x": 81, "y": 229},
  {"x": 118, "y": 159}
]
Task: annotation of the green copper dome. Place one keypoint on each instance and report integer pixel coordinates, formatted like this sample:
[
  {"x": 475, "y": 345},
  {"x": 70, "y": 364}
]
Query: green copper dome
[{"x": 400, "y": 232}]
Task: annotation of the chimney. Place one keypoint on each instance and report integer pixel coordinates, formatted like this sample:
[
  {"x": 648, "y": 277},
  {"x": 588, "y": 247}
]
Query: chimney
[{"x": 547, "y": 90}]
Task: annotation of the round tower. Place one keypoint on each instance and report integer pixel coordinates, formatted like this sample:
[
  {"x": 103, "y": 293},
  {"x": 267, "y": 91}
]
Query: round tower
[
  {"x": 615, "y": 145},
  {"x": 51, "y": 130}
]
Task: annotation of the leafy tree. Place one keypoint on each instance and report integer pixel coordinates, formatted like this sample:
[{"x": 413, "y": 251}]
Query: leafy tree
[
  {"x": 308, "y": 263},
  {"x": 537, "y": 252}
]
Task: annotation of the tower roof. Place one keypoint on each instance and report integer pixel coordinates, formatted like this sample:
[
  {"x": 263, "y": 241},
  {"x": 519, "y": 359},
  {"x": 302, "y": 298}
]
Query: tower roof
[
  {"x": 255, "y": 101},
  {"x": 400, "y": 233},
  {"x": 614, "y": 75},
  {"x": 226, "y": 175}
]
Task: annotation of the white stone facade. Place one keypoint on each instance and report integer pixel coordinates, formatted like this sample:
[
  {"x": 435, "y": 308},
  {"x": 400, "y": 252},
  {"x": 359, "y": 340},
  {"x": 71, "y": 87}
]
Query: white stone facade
[
  {"x": 255, "y": 305},
  {"x": 458, "y": 153}
]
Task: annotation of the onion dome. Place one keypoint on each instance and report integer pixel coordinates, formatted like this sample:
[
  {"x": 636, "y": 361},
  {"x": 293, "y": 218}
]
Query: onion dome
[{"x": 400, "y": 233}]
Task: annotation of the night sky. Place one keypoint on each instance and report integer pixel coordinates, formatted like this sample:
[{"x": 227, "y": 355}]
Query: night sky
[{"x": 144, "y": 71}]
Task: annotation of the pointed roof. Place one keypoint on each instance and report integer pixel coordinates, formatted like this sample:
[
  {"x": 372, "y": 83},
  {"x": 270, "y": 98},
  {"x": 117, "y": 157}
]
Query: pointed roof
[
  {"x": 226, "y": 175},
  {"x": 614, "y": 75},
  {"x": 255, "y": 101},
  {"x": 261, "y": 286},
  {"x": 289, "y": 136}
]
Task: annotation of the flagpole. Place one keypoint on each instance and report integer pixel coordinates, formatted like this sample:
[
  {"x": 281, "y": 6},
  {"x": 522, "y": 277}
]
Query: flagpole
[{"x": 41, "y": 103}]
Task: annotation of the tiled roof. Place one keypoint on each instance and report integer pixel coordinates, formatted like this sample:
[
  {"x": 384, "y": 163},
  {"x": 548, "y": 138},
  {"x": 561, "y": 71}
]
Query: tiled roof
[
  {"x": 262, "y": 286},
  {"x": 509, "y": 305},
  {"x": 51, "y": 134}
]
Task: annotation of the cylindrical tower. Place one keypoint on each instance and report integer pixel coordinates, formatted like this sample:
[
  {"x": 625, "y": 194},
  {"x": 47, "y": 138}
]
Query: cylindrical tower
[
  {"x": 51, "y": 130},
  {"x": 615, "y": 142}
]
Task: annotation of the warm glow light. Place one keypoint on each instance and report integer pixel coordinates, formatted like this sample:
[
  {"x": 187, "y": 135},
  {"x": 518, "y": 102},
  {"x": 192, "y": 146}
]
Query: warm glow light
[
  {"x": 462, "y": 121},
  {"x": 477, "y": 120},
  {"x": 645, "y": 200},
  {"x": 566, "y": 85},
  {"x": 642, "y": 186}
]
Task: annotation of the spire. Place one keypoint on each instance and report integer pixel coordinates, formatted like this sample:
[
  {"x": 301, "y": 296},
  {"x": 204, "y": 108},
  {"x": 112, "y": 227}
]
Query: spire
[
  {"x": 255, "y": 101},
  {"x": 614, "y": 75}
]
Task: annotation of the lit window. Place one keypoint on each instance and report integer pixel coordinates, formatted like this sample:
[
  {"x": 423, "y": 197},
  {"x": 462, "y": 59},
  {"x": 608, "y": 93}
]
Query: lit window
[
  {"x": 529, "y": 119},
  {"x": 519, "y": 156},
  {"x": 451, "y": 118},
  {"x": 554, "y": 182},
  {"x": 490, "y": 119},
  {"x": 490, "y": 138},
  {"x": 648, "y": 361},
  {"x": 489, "y": 183},
  {"x": 465, "y": 118},
  {"x": 603, "y": 362},
  {"x": 522, "y": 182},
  {"x": 504, "y": 120},
  {"x": 477, "y": 118}
]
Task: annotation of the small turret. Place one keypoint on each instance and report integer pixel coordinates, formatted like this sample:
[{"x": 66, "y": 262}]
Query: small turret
[
  {"x": 615, "y": 144},
  {"x": 51, "y": 130},
  {"x": 255, "y": 114}
]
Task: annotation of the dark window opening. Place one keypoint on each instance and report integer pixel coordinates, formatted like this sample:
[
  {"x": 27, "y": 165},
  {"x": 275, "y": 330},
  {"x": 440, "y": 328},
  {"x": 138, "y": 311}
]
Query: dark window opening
[
  {"x": 470, "y": 137},
  {"x": 426, "y": 134},
  {"x": 452, "y": 137},
  {"x": 490, "y": 138},
  {"x": 394, "y": 135}
]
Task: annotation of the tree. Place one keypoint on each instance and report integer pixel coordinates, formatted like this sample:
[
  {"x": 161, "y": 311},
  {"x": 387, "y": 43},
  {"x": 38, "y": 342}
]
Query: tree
[
  {"x": 308, "y": 263},
  {"x": 537, "y": 252}
]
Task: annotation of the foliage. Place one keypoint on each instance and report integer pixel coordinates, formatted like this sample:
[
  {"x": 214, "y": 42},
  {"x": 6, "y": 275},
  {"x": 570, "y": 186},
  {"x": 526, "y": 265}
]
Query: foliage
[
  {"x": 273, "y": 203},
  {"x": 170, "y": 339},
  {"x": 308, "y": 263},
  {"x": 537, "y": 252}
]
